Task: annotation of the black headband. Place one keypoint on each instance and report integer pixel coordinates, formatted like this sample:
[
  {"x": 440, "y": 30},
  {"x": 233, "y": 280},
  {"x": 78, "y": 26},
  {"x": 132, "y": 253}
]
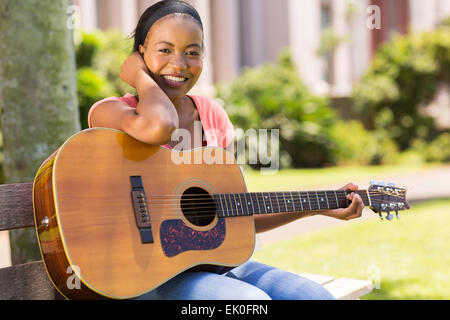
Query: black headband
[{"x": 172, "y": 7}]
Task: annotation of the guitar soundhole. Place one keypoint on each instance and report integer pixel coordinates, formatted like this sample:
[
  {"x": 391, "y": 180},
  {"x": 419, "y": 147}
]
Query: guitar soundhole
[{"x": 198, "y": 206}]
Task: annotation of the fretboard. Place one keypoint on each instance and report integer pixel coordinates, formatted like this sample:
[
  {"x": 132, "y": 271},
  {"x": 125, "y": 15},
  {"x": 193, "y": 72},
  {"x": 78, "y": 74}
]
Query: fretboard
[{"x": 245, "y": 204}]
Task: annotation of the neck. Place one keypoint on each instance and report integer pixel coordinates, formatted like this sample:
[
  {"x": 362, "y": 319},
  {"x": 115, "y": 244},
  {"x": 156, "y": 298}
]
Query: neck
[
  {"x": 178, "y": 103},
  {"x": 245, "y": 204}
]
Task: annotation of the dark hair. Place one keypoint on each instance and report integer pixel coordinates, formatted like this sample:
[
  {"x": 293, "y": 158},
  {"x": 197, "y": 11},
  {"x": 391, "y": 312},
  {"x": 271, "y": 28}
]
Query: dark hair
[{"x": 156, "y": 12}]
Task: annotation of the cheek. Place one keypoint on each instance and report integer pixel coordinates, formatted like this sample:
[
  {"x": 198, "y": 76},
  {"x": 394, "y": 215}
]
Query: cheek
[
  {"x": 155, "y": 63},
  {"x": 196, "y": 66}
]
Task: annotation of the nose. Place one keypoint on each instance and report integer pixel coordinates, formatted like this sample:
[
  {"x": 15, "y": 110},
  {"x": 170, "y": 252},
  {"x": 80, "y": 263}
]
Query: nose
[{"x": 178, "y": 62}]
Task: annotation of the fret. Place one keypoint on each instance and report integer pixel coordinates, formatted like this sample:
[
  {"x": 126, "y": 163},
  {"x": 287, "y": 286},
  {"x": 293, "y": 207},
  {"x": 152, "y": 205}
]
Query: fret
[
  {"x": 230, "y": 204},
  {"x": 278, "y": 202},
  {"x": 313, "y": 204},
  {"x": 300, "y": 199},
  {"x": 274, "y": 202},
  {"x": 364, "y": 196},
  {"x": 219, "y": 205},
  {"x": 251, "y": 201},
  {"x": 254, "y": 197},
  {"x": 326, "y": 198},
  {"x": 317, "y": 198},
  {"x": 264, "y": 202},
  {"x": 222, "y": 196},
  {"x": 244, "y": 207},
  {"x": 321, "y": 198},
  {"x": 236, "y": 204},
  {"x": 305, "y": 201},
  {"x": 337, "y": 201},
  {"x": 247, "y": 204},
  {"x": 270, "y": 206},
  {"x": 343, "y": 201},
  {"x": 285, "y": 204},
  {"x": 330, "y": 200},
  {"x": 292, "y": 203},
  {"x": 332, "y": 197}
]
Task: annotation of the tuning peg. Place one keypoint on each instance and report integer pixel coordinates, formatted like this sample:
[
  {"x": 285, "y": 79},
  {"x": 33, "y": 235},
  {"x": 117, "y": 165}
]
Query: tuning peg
[
  {"x": 389, "y": 216},
  {"x": 397, "y": 215}
]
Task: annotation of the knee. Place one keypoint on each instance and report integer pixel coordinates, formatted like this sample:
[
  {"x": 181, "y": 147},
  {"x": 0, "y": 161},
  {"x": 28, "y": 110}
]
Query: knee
[
  {"x": 311, "y": 290},
  {"x": 251, "y": 293}
]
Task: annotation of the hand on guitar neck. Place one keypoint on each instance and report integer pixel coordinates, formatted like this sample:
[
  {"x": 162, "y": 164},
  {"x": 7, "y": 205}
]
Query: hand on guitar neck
[{"x": 265, "y": 223}]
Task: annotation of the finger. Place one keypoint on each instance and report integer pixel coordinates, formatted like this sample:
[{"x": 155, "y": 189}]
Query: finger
[
  {"x": 356, "y": 207},
  {"x": 350, "y": 186}
]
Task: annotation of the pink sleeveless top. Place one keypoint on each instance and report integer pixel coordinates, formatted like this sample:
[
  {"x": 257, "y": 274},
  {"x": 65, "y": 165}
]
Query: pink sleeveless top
[{"x": 217, "y": 127}]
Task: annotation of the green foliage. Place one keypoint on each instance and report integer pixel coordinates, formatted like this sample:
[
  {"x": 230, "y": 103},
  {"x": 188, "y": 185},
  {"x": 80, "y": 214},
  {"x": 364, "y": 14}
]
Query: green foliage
[
  {"x": 403, "y": 77},
  {"x": 437, "y": 150},
  {"x": 272, "y": 96},
  {"x": 92, "y": 87},
  {"x": 99, "y": 56},
  {"x": 354, "y": 145}
]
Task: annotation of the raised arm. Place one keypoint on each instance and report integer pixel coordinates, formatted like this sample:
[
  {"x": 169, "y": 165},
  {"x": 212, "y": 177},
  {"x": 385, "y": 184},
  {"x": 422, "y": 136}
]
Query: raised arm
[{"x": 155, "y": 117}]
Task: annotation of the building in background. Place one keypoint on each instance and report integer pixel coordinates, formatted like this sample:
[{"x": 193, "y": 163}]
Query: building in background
[{"x": 246, "y": 33}]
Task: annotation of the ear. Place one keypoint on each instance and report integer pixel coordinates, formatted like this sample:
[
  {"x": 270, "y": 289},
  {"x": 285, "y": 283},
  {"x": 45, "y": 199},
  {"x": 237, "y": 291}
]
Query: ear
[{"x": 141, "y": 50}]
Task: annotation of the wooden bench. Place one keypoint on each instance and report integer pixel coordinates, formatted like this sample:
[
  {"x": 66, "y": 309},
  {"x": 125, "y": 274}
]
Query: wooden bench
[
  {"x": 342, "y": 288},
  {"x": 30, "y": 281},
  {"x": 27, "y": 281}
]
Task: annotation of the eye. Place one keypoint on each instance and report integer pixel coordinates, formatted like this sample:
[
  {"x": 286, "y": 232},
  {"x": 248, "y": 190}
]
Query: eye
[
  {"x": 164, "y": 50},
  {"x": 193, "y": 53}
]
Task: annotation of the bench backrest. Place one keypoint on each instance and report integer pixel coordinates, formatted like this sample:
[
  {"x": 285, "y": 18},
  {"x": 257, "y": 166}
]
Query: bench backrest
[{"x": 27, "y": 281}]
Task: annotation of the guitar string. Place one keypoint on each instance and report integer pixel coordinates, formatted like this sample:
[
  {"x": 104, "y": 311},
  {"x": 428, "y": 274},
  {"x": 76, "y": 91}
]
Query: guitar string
[
  {"x": 224, "y": 204},
  {"x": 259, "y": 196},
  {"x": 173, "y": 212},
  {"x": 285, "y": 192},
  {"x": 170, "y": 199},
  {"x": 258, "y": 199}
]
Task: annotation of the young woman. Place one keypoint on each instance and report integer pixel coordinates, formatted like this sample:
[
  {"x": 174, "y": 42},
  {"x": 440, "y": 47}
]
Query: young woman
[{"x": 166, "y": 63}]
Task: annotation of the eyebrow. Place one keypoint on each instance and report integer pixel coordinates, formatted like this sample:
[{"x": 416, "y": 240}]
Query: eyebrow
[{"x": 191, "y": 45}]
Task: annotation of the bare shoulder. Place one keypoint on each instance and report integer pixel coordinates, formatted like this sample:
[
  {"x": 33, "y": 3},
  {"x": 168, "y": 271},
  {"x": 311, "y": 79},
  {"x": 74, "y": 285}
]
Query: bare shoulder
[{"x": 110, "y": 113}]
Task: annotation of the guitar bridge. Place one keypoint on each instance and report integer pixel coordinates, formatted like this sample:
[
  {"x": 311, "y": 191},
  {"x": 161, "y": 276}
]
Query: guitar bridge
[{"x": 141, "y": 212}]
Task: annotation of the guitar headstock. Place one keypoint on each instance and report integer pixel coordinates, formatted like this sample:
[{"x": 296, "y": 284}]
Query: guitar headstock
[{"x": 387, "y": 198}]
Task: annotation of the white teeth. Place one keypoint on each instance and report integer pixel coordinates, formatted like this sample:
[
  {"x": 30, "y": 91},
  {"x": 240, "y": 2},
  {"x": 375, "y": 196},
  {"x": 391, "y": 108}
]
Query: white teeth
[{"x": 177, "y": 79}]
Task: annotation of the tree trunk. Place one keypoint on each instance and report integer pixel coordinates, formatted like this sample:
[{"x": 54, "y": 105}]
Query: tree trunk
[{"x": 37, "y": 94}]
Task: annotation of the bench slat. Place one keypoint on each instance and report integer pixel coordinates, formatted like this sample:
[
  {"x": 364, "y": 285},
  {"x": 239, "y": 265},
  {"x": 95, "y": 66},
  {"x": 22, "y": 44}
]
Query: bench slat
[
  {"x": 349, "y": 289},
  {"x": 27, "y": 282},
  {"x": 16, "y": 206},
  {"x": 320, "y": 279}
]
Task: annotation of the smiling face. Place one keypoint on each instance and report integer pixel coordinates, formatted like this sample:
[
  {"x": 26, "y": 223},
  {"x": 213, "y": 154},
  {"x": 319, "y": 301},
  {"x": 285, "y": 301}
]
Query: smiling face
[{"x": 173, "y": 52}]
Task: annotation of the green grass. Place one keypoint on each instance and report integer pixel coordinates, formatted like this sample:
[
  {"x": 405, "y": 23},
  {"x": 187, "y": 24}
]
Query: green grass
[
  {"x": 408, "y": 259},
  {"x": 333, "y": 177}
]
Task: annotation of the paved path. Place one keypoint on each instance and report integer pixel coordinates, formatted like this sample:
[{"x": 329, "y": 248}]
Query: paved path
[{"x": 426, "y": 184}]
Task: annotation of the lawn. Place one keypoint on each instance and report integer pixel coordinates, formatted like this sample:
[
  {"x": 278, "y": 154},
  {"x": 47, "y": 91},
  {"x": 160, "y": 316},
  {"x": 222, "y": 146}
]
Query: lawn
[
  {"x": 406, "y": 259},
  {"x": 333, "y": 177}
]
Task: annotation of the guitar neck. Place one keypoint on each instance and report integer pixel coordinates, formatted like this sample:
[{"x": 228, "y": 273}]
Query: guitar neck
[{"x": 245, "y": 204}]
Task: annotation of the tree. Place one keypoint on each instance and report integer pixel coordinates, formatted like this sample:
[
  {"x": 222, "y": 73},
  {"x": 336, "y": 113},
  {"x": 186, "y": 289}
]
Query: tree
[{"x": 37, "y": 94}]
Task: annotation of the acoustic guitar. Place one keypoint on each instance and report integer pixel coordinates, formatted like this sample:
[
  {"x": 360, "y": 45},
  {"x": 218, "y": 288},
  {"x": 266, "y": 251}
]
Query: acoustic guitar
[{"x": 116, "y": 218}]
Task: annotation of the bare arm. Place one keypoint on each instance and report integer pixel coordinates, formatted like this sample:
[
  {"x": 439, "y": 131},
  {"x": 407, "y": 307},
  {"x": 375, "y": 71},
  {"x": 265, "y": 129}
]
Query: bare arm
[
  {"x": 155, "y": 117},
  {"x": 265, "y": 223}
]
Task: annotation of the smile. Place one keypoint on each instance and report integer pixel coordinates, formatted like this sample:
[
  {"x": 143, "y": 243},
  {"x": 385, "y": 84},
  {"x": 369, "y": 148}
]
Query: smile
[
  {"x": 174, "y": 81},
  {"x": 175, "y": 78}
]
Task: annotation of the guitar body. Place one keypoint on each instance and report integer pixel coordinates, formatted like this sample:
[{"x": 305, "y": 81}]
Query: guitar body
[{"x": 87, "y": 225}]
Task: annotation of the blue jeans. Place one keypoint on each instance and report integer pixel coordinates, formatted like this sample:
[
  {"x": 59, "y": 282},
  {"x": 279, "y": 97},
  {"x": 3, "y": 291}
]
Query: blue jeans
[{"x": 250, "y": 281}]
